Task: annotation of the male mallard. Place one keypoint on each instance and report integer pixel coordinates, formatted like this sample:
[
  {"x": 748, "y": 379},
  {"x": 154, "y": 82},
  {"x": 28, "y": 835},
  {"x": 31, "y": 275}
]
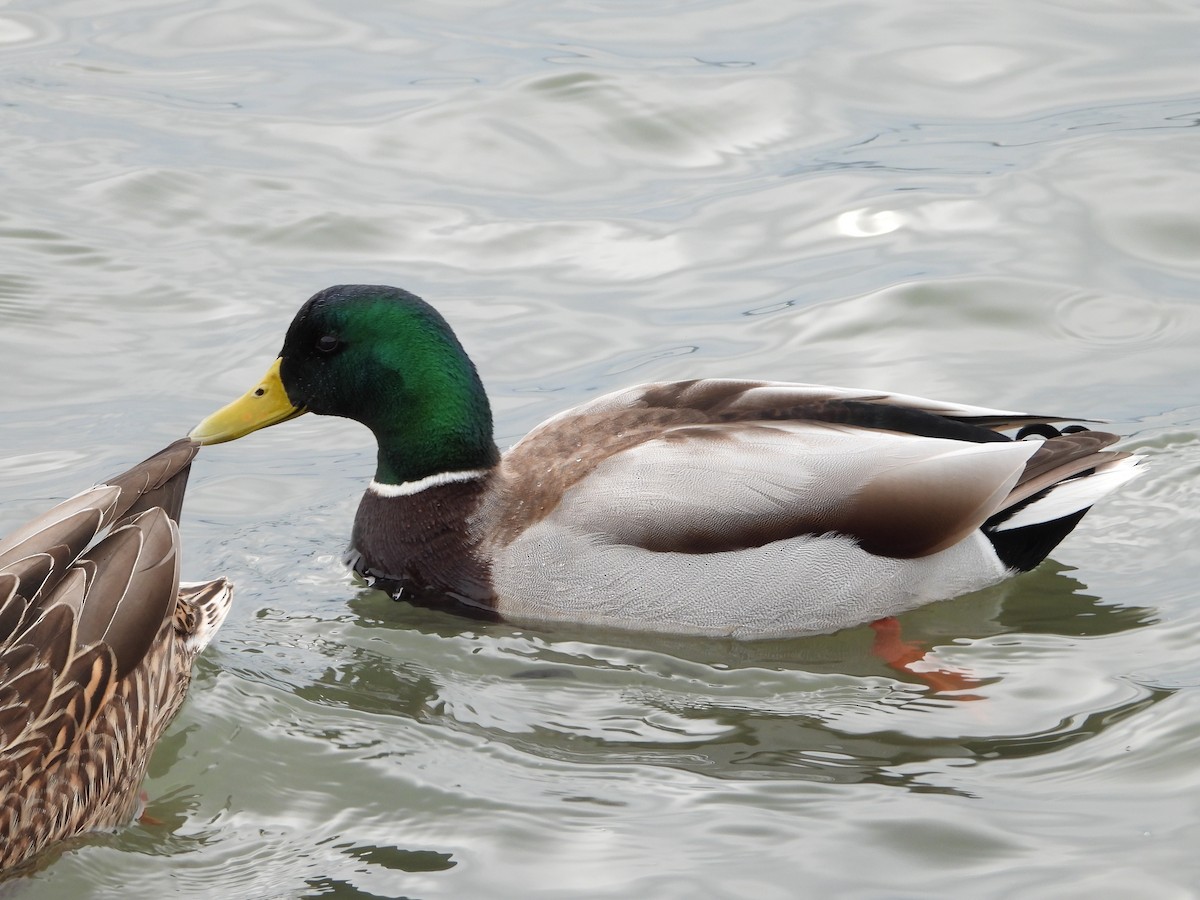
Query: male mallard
[
  {"x": 719, "y": 507},
  {"x": 96, "y": 650}
]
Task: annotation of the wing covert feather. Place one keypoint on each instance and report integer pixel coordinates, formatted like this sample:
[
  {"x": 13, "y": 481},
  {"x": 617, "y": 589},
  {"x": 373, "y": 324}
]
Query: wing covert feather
[{"x": 704, "y": 489}]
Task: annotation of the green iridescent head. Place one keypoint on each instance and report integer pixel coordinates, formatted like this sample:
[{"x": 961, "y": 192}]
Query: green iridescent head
[{"x": 383, "y": 357}]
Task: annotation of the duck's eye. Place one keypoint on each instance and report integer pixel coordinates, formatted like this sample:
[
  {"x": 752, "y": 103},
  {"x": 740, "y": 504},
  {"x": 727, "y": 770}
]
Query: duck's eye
[{"x": 327, "y": 343}]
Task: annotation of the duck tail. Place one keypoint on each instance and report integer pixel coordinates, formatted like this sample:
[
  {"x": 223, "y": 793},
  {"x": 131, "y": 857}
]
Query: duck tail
[
  {"x": 1025, "y": 533},
  {"x": 201, "y": 609}
]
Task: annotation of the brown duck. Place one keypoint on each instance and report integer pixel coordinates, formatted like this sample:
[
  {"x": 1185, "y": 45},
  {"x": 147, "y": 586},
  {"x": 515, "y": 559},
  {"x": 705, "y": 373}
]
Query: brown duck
[{"x": 97, "y": 641}]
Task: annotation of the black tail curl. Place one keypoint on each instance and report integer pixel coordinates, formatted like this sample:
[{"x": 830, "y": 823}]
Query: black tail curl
[
  {"x": 1048, "y": 431},
  {"x": 1023, "y": 548}
]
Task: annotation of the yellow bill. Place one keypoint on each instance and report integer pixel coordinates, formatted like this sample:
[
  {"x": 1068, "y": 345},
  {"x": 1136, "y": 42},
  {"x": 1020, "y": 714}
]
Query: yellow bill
[{"x": 266, "y": 404}]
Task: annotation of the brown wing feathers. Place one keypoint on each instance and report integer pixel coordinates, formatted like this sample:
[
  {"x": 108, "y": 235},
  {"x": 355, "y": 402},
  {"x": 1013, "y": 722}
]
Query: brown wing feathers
[
  {"x": 140, "y": 548},
  {"x": 905, "y": 512},
  {"x": 75, "y": 623}
]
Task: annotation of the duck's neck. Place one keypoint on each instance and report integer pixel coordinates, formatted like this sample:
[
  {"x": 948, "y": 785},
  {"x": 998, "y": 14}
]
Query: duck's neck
[
  {"x": 411, "y": 462},
  {"x": 439, "y": 430}
]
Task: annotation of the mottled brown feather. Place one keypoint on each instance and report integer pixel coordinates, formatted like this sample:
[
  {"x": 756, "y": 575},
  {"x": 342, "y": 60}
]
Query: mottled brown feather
[
  {"x": 158, "y": 482},
  {"x": 32, "y": 689},
  {"x": 48, "y": 529},
  {"x": 13, "y": 720},
  {"x": 151, "y": 593},
  {"x": 51, "y": 635},
  {"x": 17, "y": 659},
  {"x": 60, "y": 729},
  {"x": 12, "y": 605},
  {"x": 66, "y": 537},
  {"x": 93, "y": 662},
  {"x": 8, "y": 589},
  {"x": 88, "y": 681},
  {"x": 70, "y": 590},
  {"x": 114, "y": 558},
  {"x": 32, "y": 571}
]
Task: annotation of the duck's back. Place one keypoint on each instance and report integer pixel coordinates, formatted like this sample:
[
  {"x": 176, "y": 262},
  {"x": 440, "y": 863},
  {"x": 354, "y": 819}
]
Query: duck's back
[{"x": 758, "y": 509}]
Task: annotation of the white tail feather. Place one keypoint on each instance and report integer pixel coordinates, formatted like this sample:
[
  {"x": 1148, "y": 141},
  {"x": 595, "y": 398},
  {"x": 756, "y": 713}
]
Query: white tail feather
[{"x": 1074, "y": 494}]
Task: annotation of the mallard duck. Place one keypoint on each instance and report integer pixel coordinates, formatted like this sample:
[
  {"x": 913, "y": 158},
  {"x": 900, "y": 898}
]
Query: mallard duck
[
  {"x": 715, "y": 507},
  {"x": 96, "y": 650}
]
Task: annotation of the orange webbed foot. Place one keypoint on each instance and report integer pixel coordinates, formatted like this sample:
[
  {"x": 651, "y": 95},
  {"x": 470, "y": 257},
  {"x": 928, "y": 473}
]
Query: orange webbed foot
[{"x": 901, "y": 655}]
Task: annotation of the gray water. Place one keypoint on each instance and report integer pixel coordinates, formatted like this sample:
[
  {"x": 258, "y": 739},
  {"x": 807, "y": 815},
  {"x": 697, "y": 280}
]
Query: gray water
[{"x": 994, "y": 204}]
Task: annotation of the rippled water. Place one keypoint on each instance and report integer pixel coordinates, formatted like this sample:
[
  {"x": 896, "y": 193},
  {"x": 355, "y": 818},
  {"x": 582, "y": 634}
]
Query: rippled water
[{"x": 988, "y": 204}]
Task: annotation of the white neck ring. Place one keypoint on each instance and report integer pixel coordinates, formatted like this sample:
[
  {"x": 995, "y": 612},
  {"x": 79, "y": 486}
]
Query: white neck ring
[{"x": 408, "y": 488}]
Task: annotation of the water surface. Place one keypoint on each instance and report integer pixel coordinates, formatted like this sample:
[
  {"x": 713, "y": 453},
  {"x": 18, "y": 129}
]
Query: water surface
[{"x": 989, "y": 205}]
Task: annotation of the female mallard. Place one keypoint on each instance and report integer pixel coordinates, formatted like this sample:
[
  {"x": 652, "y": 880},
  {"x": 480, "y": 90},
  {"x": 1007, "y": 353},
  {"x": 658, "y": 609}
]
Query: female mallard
[
  {"x": 744, "y": 508},
  {"x": 96, "y": 650}
]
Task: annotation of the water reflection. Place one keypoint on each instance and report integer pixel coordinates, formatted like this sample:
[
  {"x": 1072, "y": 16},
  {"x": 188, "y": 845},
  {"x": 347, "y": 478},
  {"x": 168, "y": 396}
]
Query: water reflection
[
  {"x": 821, "y": 708},
  {"x": 369, "y": 856}
]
